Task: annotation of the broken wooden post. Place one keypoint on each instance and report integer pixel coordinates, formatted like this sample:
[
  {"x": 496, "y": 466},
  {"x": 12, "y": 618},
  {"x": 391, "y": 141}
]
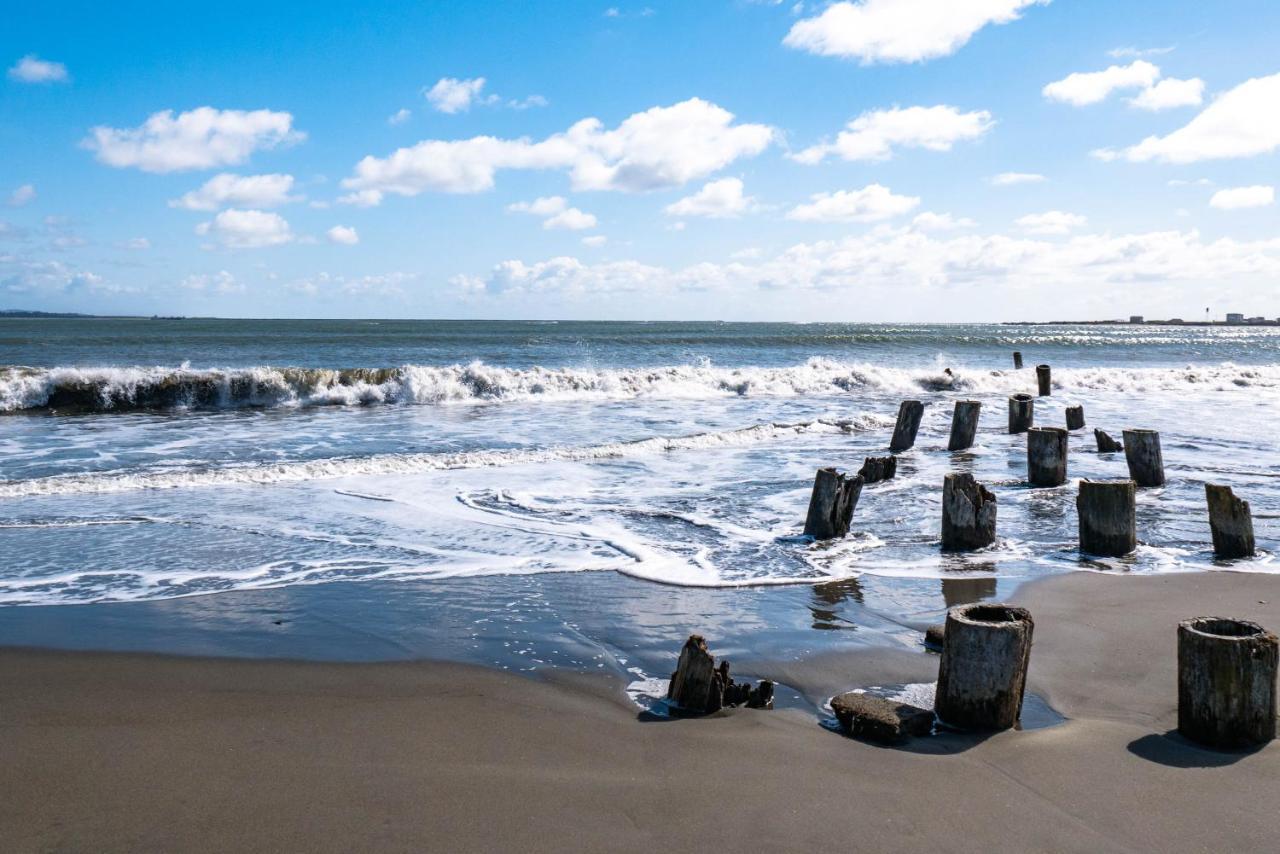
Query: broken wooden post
[
  {"x": 968, "y": 514},
  {"x": 1108, "y": 517},
  {"x": 863, "y": 715},
  {"x": 964, "y": 424},
  {"x": 1230, "y": 522},
  {"x": 875, "y": 469},
  {"x": 1106, "y": 445},
  {"x": 935, "y": 637},
  {"x": 1042, "y": 377},
  {"x": 1047, "y": 456},
  {"x": 831, "y": 504},
  {"x": 1226, "y": 682},
  {"x": 984, "y": 666},
  {"x": 1022, "y": 413},
  {"x": 1142, "y": 451},
  {"x": 1075, "y": 417},
  {"x": 698, "y": 687},
  {"x": 904, "y": 432},
  {"x": 1017, "y": 360}
]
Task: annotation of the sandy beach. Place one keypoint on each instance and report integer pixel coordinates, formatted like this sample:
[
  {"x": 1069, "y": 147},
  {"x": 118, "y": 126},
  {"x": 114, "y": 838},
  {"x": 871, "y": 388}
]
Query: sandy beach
[{"x": 114, "y": 752}]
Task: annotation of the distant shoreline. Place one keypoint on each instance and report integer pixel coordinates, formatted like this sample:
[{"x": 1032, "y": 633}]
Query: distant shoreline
[{"x": 1139, "y": 323}]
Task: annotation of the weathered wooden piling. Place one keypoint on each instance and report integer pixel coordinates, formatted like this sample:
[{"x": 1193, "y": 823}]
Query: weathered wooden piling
[
  {"x": 1142, "y": 451},
  {"x": 1047, "y": 456},
  {"x": 964, "y": 424},
  {"x": 968, "y": 514},
  {"x": 875, "y": 469},
  {"x": 1022, "y": 413},
  {"x": 831, "y": 504},
  {"x": 1226, "y": 682},
  {"x": 1075, "y": 417},
  {"x": 1106, "y": 445},
  {"x": 1017, "y": 360},
  {"x": 1042, "y": 377},
  {"x": 904, "y": 432},
  {"x": 699, "y": 687},
  {"x": 1107, "y": 511},
  {"x": 875, "y": 718},
  {"x": 983, "y": 671},
  {"x": 1230, "y": 522}
]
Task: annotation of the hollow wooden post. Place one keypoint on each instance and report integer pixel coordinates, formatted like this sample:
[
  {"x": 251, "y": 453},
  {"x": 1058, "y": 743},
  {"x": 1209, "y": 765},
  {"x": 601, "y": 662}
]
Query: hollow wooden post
[
  {"x": 831, "y": 504},
  {"x": 1108, "y": 517},
  {"x": 1017, "y": 360},
  {"x": 878, "y": 468},
  {"x": 1022, "y": 413},
  {"x": 1230, "y": 522},
  {"x": 983, "y": 672},
  {"x": 964, "y": 424},
  {"x": 1142, "y": 451},
  {"x": 968, "y": 514},
  {"x": 1042, "y": 377},
  {"x": 1046, "y": 456},
  {"x": 1226, "y": 682},
  {"x": 904, "y": 432},
  {"x": 1106, "y": 445},
  {"x": 1075, "y": 417}
]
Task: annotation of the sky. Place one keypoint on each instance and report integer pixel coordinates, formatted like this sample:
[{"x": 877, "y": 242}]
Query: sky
[{"x": 875, "y": 160}]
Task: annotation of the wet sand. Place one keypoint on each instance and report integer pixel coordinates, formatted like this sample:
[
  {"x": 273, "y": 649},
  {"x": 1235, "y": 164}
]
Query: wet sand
[{"x": 110, "y": 752}]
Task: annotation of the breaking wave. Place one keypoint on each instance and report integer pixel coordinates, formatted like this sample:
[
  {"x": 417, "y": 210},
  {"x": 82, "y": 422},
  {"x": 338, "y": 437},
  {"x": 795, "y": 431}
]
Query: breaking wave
[{"x": 115, "y": 389}]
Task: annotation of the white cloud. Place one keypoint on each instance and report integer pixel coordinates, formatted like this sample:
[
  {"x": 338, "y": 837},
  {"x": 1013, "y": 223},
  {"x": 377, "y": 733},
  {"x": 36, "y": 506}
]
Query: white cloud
[
  {"x": 1009, "y": 179},
  {"x": 1170, "y": 93},
  {"x": 344, "y": 235},
  {"x": 930, "y": 221},
  {"x": 595, "y": 240},
  {"x": 221, "y": 282},
  {"x": 527, "y": 102},
  {"x": 1242, "y": 122},
  {"x": 22, "y": 195},
  {"x": 399, "y": 117},
  {"x": 661, "y": 147},
  {"x": 872, "y": 203},
  {"x": 1137, "y": 53},
  {"x": 203, "y": 138},
  {"x": 1091, "y": 87},
  {"x": 135, "y": 243},
  {"x": 1051, "y": 222},
  {"x": 32, "y": 69},
  {"x": 228, "y": 190},
  {"x": 247, "y": 229},
  {"x": 721, "y": 199},
  {"x": 1183, "y": 182},
  {"x": 899, "y": 30},
  {"x": 451, "y": 95},
  {"x": 874, "y": 135},
  {"x": 557, "y": 212},
  {"x": 571, "y": 219},
  {"x": 1234, "y": 198}
]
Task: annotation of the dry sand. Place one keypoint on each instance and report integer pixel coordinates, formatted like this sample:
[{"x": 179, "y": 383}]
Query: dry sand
[{"x": 109, "y": 752}]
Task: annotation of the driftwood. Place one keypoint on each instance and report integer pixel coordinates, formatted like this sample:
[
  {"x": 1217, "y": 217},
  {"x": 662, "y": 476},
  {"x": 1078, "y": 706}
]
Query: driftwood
[
  {"x": 875, "y": 469},
  {"x": 1142, "y": 451},
  {"x": 1230, "y": 522},
  {"x": 1075, "y": 417},
  {"x": 1043, "y": 380},
  {"x": 831, "y": 504},
  {"x": 878, "y": 719},
  {"x": 1047, "y": 456},
  {"x": 1017, "y": 360},
  {"x": 1226, "y": 682},
  {"x": 983, "y": 671},
  {"x": 699, "y": 687},
  {"x": 1108, "y": 517},
  {"x": 1106, "y": 445},
  {"x": 904, "y": 432},
  {"x": 964, "y": 424},
  {"x": 1022, "y": 413},
  {"x": 968, "y": 514}
]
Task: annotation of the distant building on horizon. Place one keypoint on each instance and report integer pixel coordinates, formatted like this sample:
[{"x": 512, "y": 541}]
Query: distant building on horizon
[
  {"x": 1135, "y": 318},
  {"x": 1235, "y": 318}
]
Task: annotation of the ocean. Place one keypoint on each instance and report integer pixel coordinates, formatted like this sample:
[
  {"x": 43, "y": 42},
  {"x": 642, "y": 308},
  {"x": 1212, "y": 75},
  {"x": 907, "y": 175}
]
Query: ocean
[{"x": 533, "y": 494}]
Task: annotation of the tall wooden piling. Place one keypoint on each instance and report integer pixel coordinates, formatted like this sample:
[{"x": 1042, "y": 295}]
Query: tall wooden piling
[
  {"x": 1047, "y": 456},
  {"x": 1106, "y": 445},
  {"x": 1017, "y": 360},
  {"x": 835, "y": 495},
  {"x": 968, "y": 514},
  {"x": 983, "y": 671},
  {"x": 1142, "y": 451},
  {"x": 1043, "y": 379},
  {"x": 1107, "y": 510},
  {"x": 904, "y": 432},
  {"x": 964, "y": 424},
  {"x": 1022, "y": 413},
  {"x": 1226, "y": 682},
  {"x": 1075, "y": 417},
  {"x": 1230, "y": 522}
]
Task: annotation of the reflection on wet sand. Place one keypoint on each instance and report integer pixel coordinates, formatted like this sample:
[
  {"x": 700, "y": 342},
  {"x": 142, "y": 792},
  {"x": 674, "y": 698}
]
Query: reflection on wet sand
[{"x": 826, "y": 601}]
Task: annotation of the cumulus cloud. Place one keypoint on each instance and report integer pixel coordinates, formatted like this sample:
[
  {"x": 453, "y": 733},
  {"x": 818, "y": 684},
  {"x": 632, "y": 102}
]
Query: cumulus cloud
[
  {"x": 33, "y": 69},
  {"x": 876, "y": 134},
  {"x": 660, "y": 147},
  {"x": 203, "y": 138},
  {"x": 22, "y": 195},
  {"x": 721, "y": 199},
  {"x": 595, "y": 240},
  {"x": 930, "y": 221},
  {"x": 872, "y": 203},
  {"x": 1170, "y": 93},
  {"x": 1154, "y": 93},
  {"x": 557, "y": 213},
  {"x": 1008, "y": 179},
  {"x": 221, "y": 282},
  {"x": 343, "y": 235},
  {"x": 399, "y": 117},
  {"x": 883, "y": 31},
  {"x": 1234, "y": 198},
  {"x": 1242, "y": 122},
  {"x": 451, "y": 95},
  {"x": 228, "y": 190},
  {"x": 1051, "y": 222},
  {"x": 247, "y": 229}
]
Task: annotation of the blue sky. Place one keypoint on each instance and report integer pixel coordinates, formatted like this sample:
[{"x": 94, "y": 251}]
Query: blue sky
[{"x": 719, "y": 159}]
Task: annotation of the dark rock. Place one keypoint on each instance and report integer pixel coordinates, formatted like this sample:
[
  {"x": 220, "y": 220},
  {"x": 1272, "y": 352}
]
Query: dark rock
[
  {"x": 877, "y": 719},
  {"x": 935, "y": 636}
]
